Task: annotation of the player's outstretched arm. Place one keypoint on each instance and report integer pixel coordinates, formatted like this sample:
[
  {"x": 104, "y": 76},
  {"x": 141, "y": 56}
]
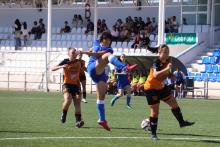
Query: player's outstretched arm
[
  {"x": 57, "y": 67},
  {"x": 97, "y": 54}
]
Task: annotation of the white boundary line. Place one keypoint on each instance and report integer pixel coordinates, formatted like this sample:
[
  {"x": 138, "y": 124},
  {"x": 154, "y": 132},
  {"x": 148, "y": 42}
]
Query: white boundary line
[{"x": 162, "y": 138}]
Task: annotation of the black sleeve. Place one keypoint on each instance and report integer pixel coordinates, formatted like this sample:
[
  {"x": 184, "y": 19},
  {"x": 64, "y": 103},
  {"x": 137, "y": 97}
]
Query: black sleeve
[
  {"x": 65, "y": 61},
  {"x": 156, "y": 64}
]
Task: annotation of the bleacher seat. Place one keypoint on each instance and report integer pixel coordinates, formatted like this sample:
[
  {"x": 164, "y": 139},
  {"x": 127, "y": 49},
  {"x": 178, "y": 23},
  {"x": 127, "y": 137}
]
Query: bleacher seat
[
  {"x": 191, "y": 74},
  {"x": 208, "y": 68},
  {"x": 204, "y": 76},
  {"x": 218, "y": 77},
  {"x": 212, "y": 77},
  {"x": 215, "y": 68},
  {"x": 216, "y": 53},
  {"x": 197, "y": 77},
  {"x": 205, "y": 60},
  {"x": 63, "y": 37},
  {"x": 218, "y": 60},
  {"x": 212, "y": 60}
]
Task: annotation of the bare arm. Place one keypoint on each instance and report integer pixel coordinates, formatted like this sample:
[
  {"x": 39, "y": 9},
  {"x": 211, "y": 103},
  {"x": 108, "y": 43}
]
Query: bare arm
[
  {"x": 57, "y": 67},
  {"x": 98, "y": 54},
  {"x": 120, "y": 73}
]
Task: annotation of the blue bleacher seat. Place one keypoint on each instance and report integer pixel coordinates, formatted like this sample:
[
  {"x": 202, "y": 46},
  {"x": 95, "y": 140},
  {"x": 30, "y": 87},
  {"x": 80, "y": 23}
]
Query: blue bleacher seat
[
  {"x": 212, "y": 77},
  {"x": 208, "y": 68},
  {"x": 216, "y": 52},
  {"x": 197, "y": 77},
  {"x": 218, "y": 77},
  {"x": 191, "y": 74},
  {"x": 212, "y": 60},
  {"x": 215, "y": 68},
  {"x": 204, "y": 76},
  {"x": 205, "y": 60},
  {"x": 218, "y": 60}
]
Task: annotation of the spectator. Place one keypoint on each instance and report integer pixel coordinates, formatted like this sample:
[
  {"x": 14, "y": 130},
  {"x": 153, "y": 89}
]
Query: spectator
[
  {"x": 174, "y": 25},
  {"x": 99, "y": 25},
  {"x": 180, "y": 82},
  {"x": 66, "y": 28},
  {"x": 103, "y": 26},
  {"x": 34, "y": 30},
  {"x": 137, "y": 41},
  {"x": 145, "y": 41},
  {"x": 17, "y": 27},
  {"x": 75, "y": 21},
  {"x": 124, "y": 35},
  {"x": 114, "y": 33},
  {"x": 80, "y": 21},
  {"x": 184, "y": 21},
  {"x": 40, "y": 29},
  {"x": 25, "y": 33},
  {"x": 89, "y": 27},
  {"x": 154, "y": 26}
]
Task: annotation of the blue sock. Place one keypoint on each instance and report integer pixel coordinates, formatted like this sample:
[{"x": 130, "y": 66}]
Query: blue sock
[
  {"x": 114, "y": 99},
  {"x": 114, "y": 60},
  {"x": 128, "y": 100},
  {"x": 101, "y": 109}
]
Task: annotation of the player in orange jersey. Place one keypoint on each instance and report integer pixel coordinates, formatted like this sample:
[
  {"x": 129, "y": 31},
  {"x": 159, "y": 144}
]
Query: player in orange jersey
[
  {"x": 82, "y": 77},
  {"x": 156, "y": 90},
  {"x": 71, "y": 86}
]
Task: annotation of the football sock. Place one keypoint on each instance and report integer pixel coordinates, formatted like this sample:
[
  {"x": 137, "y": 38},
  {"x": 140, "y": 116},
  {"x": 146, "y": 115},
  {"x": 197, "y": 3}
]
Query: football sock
[
  {"x": 84, "y": 95},
  {"x": 128, "y": 100},
  {"x": 153, "y": 125},
  {"x": 114, "y": 99},
  {"x": 64, "y": 112},
  {"x": 101, "y": 109},
  {"x": 114, "y": 60},
  {"x": 178, "y": 115},
  {"x": 78, "y": 117}
]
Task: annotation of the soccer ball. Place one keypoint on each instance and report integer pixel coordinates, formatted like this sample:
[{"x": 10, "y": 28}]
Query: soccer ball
[{"x": 145, "y": 124}]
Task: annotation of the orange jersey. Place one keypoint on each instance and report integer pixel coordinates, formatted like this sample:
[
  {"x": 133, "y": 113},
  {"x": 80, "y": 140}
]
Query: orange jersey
[
  {"x": 83, "y": 67},
  {"x": 72, "y": 71},
  {"x": 152, "y": 82}
]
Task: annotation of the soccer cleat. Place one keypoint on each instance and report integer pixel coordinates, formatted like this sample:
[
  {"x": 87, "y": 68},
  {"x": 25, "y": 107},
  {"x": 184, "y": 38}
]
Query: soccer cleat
[
  {"x": 63, "y": 118},
  {"x": 84, "y": 100},
  {"x": 112, "y": 102},
  {"x": 79, "y": 124},
  {"x": 154, "y": 137},
  {"x": 131, "y": 67},
  {"x": 104, "y": 124},
  {"x": 186, "y": 123},
  {"x": 128, "y": 106}
]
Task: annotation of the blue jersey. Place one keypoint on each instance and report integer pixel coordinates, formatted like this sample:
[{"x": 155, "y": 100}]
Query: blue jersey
[
  {"x": 91, "y": 67},
  {"x": 122, "y": 79},
  {"x": 97, "y": 48}
]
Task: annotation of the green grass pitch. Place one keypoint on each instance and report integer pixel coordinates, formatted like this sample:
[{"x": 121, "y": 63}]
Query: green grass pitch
[{"x": 32, "y": 119}]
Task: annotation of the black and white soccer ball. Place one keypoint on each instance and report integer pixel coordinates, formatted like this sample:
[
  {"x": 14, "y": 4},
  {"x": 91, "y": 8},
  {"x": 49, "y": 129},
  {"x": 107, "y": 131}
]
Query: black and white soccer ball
[{"x": 145, "y": 124}]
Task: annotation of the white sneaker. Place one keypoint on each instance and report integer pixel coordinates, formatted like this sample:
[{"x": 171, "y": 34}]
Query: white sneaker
[{"x": 84, "y": 100}]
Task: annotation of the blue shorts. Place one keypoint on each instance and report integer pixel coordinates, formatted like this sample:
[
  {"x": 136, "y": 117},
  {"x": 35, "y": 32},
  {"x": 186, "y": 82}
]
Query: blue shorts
[
  {"x": 121, "y": 85},
  {"x": 92, "y": 73}
]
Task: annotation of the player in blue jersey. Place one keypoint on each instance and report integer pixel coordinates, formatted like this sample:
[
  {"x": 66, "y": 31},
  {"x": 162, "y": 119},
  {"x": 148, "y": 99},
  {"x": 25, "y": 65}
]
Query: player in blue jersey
[
  {"x": 122, "y": 85},
  {"x": 101, "y": 55}
]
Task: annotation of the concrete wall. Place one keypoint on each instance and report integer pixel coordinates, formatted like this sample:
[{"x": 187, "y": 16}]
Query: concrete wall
[{"x": 7, "y": 16}]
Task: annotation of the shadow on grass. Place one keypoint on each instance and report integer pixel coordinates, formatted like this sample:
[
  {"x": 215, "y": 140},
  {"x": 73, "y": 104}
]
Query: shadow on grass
[
  {"x": 188, "y": 135},
  {"x": 24, "y": 132}
]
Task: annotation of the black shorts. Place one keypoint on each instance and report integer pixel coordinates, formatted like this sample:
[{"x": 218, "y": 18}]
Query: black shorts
[
  {"x": 154, "y": 96},
  {"x": 82, "y": 77},
  {"x": 179, "y": 82},
  {"x": 72, "y": 89}
]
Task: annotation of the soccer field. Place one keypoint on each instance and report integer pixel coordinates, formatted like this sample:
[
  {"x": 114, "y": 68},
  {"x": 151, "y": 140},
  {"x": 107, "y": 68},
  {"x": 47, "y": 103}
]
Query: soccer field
[{"x": 33, "y": 119}]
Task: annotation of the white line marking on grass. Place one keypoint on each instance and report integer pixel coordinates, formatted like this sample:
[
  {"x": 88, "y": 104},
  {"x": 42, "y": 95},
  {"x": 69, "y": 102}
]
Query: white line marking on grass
[{"x": 162, "y": 138}]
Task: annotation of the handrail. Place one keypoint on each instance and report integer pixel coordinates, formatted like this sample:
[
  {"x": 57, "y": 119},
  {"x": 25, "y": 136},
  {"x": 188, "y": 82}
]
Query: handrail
[{"x": 189, "y": 49}]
